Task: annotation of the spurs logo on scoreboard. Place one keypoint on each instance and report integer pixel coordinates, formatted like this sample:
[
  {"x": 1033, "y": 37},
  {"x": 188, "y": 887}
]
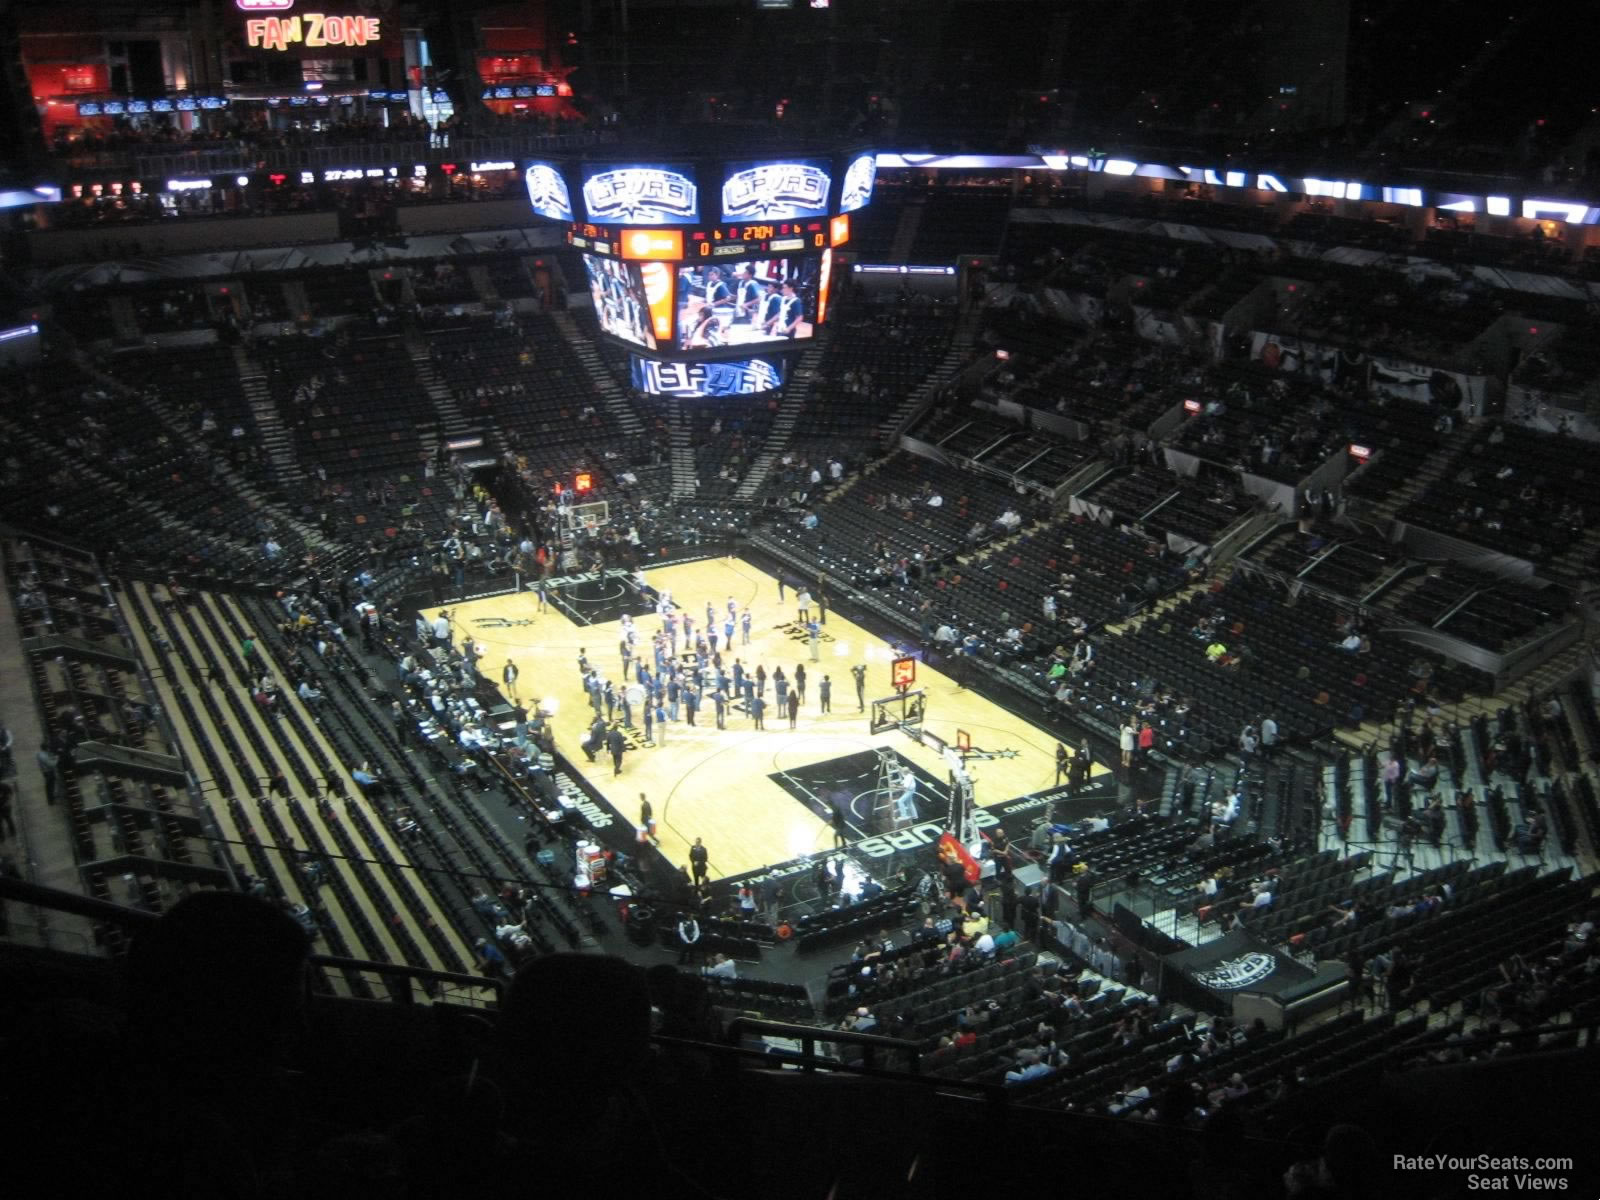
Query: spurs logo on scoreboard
[
  {"x": 264, "y": 5},
  {"x": 774, "y": 191},
  {"x": 1232, "y": 974},
  {"x": 641, "y": 196},
  {"x": 547, "y": 192},
  {"x": 859, "y": 177}
]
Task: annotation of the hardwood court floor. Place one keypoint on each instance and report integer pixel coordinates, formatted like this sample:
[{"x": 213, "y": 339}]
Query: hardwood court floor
[{"x": 714, "y": 784}]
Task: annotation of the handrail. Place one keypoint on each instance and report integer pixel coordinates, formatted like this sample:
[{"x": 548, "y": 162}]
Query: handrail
[
  {"x": 39, "y": 896},
  {"x": 809, "y": 1061},
  {"x": 407, "y": 971},
  {"x": 809, "y": 1035}
]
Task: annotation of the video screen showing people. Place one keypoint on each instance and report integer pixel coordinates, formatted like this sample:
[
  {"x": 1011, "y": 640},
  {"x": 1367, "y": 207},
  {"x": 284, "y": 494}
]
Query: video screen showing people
[
  {"x": 619, "y": 300},
  {"x": 750, "y": 303}
]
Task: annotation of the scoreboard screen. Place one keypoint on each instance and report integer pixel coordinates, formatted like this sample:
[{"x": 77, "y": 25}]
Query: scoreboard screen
[
  {"x": 859, "y": 178},
  {"x": 642, "y": 194},
  {"x": 755, "y": 302},
  {"x": 776, "y": 191},
  {"x": 632, "y": 301}
]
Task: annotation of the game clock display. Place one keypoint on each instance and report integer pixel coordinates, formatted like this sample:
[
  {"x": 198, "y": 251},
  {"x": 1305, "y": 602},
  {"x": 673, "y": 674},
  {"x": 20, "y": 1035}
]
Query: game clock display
[{"x": 716, "y": 243}]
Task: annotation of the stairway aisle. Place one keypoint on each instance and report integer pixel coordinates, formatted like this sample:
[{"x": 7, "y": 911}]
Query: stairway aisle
[
  {"x": 611, "y": 392},
  {"x": 684, "y": 482},
  {"x": 797, "y": 389},
  {"x": 453, "y": 423},
  {"x": 961, "y": 343},
  {"x": 255, "y": 389},
  {"x": 274, "y": 433},
  {"x": 905, "y": 232}
]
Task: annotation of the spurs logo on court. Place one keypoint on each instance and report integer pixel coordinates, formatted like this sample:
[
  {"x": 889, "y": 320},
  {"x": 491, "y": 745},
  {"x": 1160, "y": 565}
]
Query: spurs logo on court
[
  {"x": 797, "y": 633},
  {"x": 500, "y": 622},
  {"x": 915, "y": 837},
  {"x": 547, "y": 192},
  {"x": 1234, "y": 973},
  {"x": 775, "y": 191},
  {"x": 641, "y": 195},
  {"x": 859, "y": 177}
]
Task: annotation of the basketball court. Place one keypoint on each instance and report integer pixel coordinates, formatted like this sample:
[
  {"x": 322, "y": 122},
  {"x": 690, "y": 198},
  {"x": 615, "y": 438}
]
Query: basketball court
[{"x": 757, "y": 797}]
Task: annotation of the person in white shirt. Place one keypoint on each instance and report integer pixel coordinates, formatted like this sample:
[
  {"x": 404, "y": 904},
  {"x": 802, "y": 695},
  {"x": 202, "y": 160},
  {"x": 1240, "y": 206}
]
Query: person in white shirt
[
  {"x": 984, "y": 944},
  {"x": 308, "y": 693},
  {"x": 1262, "y": 900},
  {"x": 723, "y": 967},
  {"x": 441, "y": 628},
  {"x": 1227, "y": 812}
]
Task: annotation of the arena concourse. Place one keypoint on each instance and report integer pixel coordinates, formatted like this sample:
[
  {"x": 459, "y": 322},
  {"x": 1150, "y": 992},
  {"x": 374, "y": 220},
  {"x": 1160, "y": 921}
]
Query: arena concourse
[{"x": 877, "y": 640}]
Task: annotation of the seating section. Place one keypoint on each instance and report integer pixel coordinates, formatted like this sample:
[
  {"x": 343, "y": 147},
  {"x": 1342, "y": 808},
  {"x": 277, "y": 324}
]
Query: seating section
[
  {"x": 1109, "y": 380},
  {"x": 996, "y": 445},
  {"x": 1200, "y": 703},
  {"x": 879, "y": 350},
  {"x": 282, "y": 790},
  {"x": 1525, "y": 493},
  {"x": 136, "y": 835},
  {"x": 106, "y": 467},
  {"x": 960, "y": 220},
  {"x": 1196, "y": 509},
  {"x": 524, "y": 380},
  {"x": 202, "y": 386}
]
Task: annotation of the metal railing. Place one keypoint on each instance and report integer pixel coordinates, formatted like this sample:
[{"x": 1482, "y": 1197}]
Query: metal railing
[
  {"x": 440, "y": 986},
  {"x": 204, "y": 158}
]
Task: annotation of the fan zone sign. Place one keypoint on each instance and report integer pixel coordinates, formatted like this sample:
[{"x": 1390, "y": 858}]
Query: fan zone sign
[
  {"x": 641, "y": 196},
  {"x": 312, "y": 30},
  {"x": 775, "y": 191}
]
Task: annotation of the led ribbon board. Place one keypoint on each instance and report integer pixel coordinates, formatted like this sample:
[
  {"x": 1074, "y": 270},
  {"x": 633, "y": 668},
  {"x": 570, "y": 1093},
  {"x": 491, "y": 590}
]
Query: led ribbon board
[
  {"x": 742, "y": 377},
  {"x": 859, "y": 178},
  {"x": 641, "y": 196},
  {"x": 547, "y": 192},
  {"x": 775, "y": 191}
]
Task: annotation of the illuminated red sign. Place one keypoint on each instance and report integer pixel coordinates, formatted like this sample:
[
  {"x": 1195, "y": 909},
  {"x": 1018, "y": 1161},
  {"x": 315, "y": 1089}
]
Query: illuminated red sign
[
  {"x": 312, "y": 30},
  {"x": 652, "y": 244},
  {"x": 903, "y": 672}
]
